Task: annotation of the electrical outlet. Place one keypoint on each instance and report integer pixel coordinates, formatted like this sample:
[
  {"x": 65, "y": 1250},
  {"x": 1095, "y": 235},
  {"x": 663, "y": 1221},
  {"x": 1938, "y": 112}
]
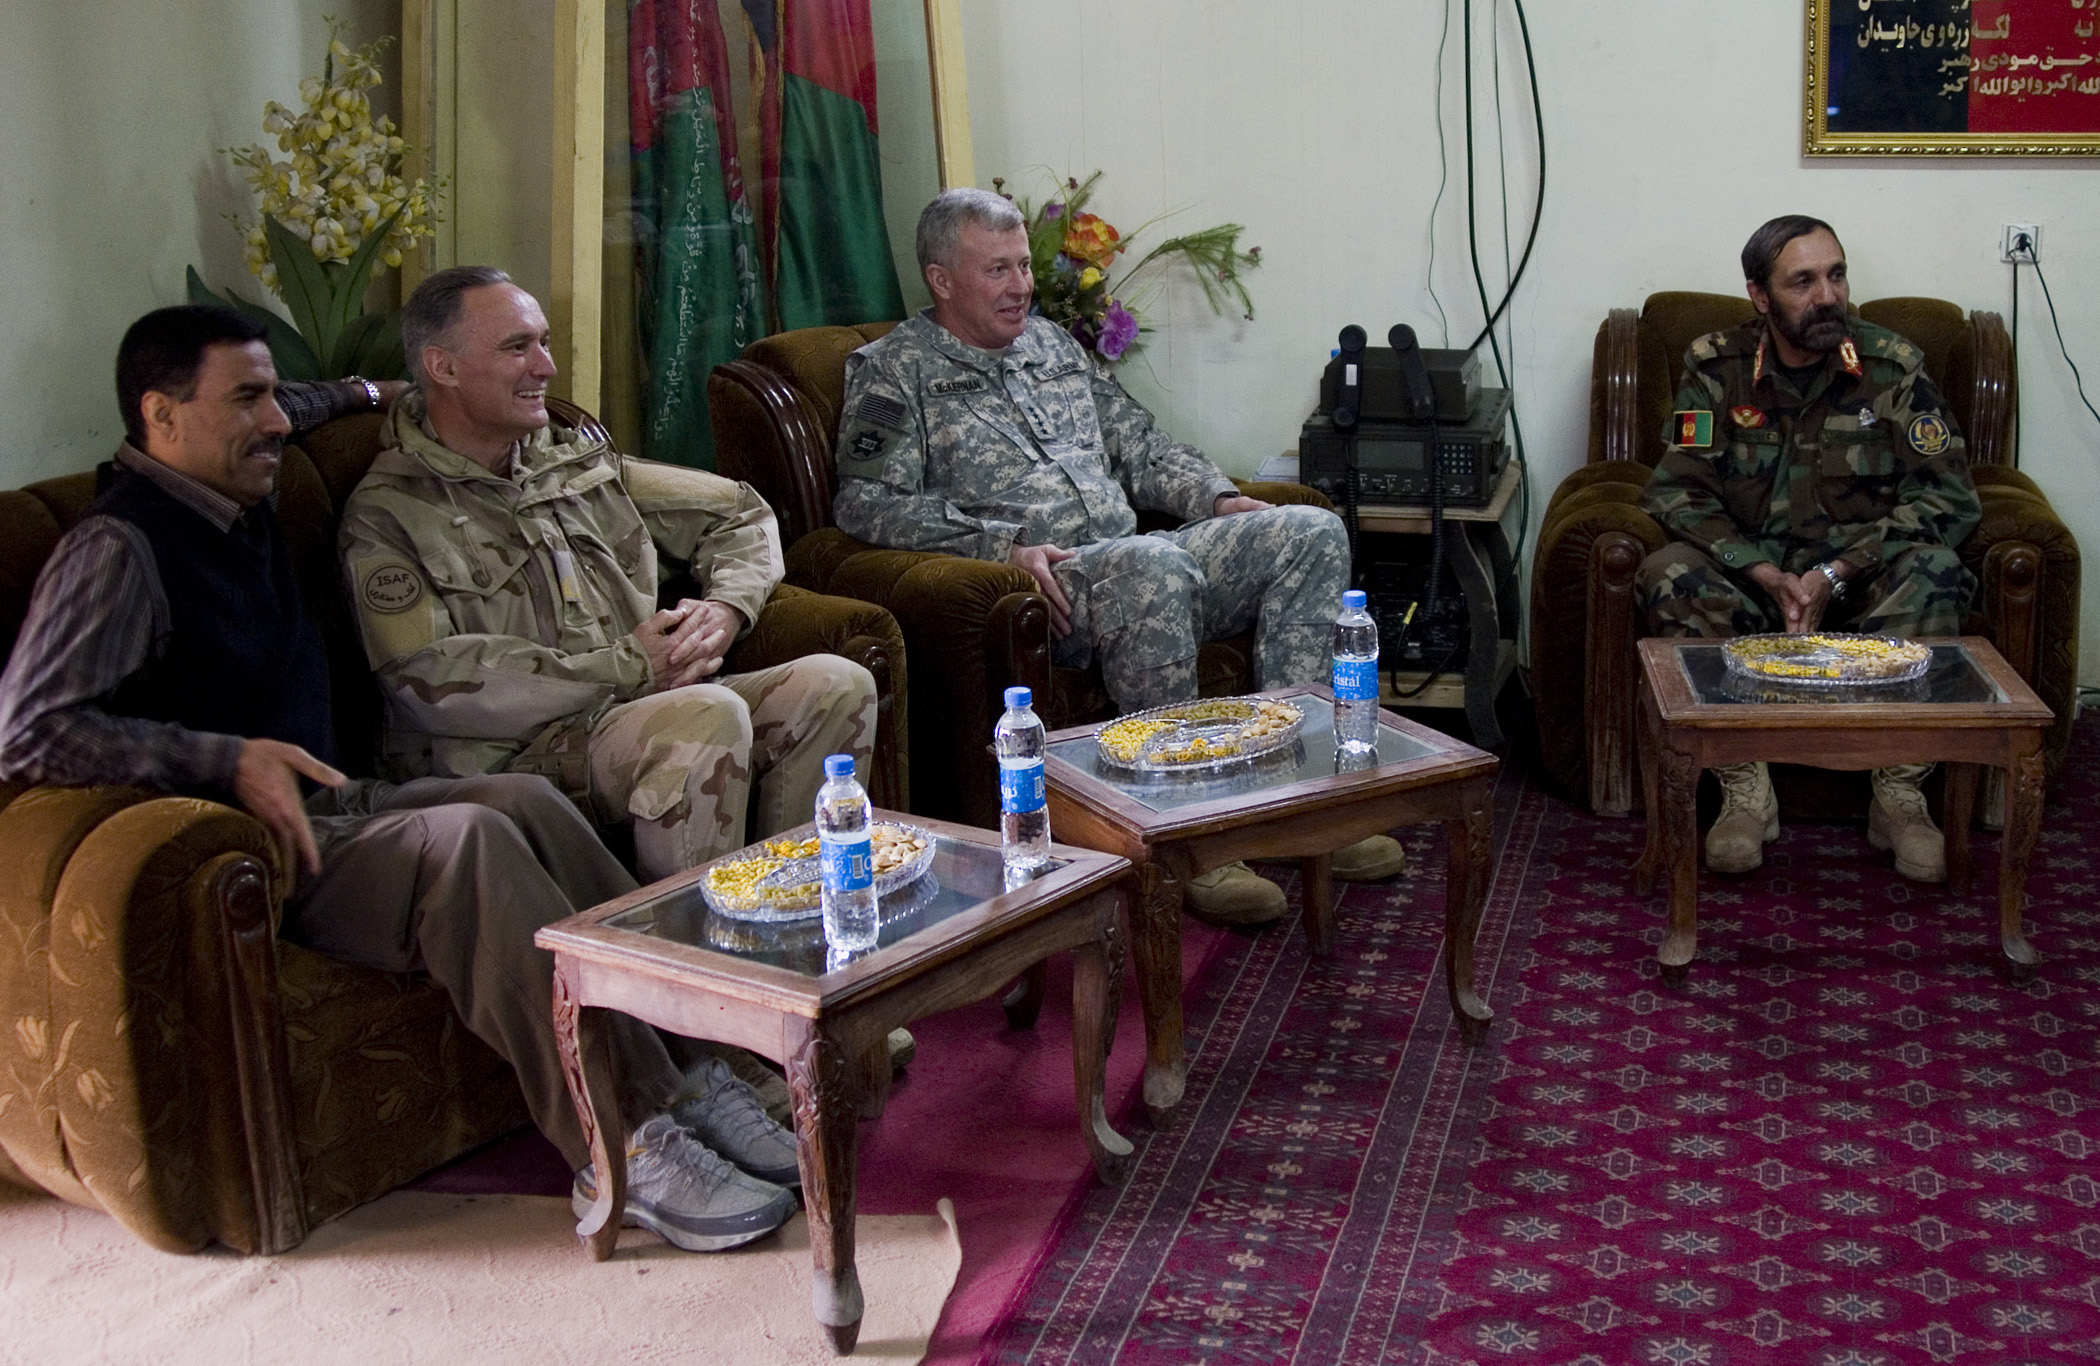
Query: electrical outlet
[{"x": 2022, "y": 242}]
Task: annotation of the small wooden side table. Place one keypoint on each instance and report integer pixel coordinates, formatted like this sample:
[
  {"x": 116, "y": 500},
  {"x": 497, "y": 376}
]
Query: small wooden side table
[
  {"x": 1970, "y": 710},
  {"x": 1301, "y": 803},
  {"x": 663, "y": 956}
]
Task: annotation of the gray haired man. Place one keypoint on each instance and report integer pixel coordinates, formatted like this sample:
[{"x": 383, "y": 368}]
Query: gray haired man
[{"x": 978, "y": 429}]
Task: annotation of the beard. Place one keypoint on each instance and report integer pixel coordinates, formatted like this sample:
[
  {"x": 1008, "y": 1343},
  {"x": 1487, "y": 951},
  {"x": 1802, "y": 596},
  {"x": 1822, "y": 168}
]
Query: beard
[{"x": 1817, "y": 330}]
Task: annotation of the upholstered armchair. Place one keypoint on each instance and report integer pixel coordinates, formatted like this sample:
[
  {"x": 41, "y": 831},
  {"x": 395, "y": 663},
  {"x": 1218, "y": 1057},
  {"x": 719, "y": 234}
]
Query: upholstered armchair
[
  {"x": 1584, "y": 619},
  {"x": 973, "y": 628},
  {"x": 163, "y": 1056}
]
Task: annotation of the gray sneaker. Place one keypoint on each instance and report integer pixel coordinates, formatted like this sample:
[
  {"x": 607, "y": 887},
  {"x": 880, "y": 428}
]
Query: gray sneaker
[
  {"x": 686, "y": 1195},
  {"x": 724, "y": 1112}
]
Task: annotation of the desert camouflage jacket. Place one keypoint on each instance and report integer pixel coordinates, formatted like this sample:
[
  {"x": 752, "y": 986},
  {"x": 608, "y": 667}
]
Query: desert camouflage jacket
[
  {"x": 492, "y": 608},
  {"x": 943, "y": 446},
  {"x": 1864, "y": 463}
]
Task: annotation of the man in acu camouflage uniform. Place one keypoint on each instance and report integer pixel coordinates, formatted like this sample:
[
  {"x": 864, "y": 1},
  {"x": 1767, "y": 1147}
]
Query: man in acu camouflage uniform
[
  {"x": 1813, "y": 478},
  {"x": 979, "y": 430},
  {"x": 505, "y": 570}
]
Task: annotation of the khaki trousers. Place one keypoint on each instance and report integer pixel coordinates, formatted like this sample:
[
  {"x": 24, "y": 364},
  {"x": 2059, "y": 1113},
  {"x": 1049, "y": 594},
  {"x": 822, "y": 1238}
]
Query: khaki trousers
[
  {"x": 452, "y": 876},
  {"x": 682, "y": 764}
]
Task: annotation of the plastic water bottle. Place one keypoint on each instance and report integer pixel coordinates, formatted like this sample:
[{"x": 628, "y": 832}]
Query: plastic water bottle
[
  {"x": 1355, "y": 677},
  {"x": 845, "y": 848},
  {"x": 1024, "y": 810}
]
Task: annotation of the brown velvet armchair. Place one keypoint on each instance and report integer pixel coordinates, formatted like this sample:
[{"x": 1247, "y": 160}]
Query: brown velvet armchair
[
  {"x": 163, "y": 1056},
  {"x": 973, "y": 627},
  {"x": 1584, "y": 619}
]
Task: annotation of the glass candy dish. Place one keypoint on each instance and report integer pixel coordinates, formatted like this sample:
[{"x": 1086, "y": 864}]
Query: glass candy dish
[
  {"x": 780, "y": 879},
  {"x": 1190, "y": 738},
  {"x": 1827, "y": 659}
]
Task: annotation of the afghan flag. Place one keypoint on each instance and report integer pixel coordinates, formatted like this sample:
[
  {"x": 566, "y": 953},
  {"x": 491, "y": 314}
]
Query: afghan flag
[
  {"x": 828, "y": 250},
  {"x": 696, "y": 248}
]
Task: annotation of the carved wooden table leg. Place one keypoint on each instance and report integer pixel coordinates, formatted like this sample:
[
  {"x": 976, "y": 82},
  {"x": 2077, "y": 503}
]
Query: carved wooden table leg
[
  {"x": 820, "y": 1083},
  {"x": 1468, "y": 869},
  {"x": 1024, "y": 1001},
  {"x": 1096, "y": 968},
  {"x": 1647, "y": 741},
  {"x": 585, "y": 1045},
  {"x": 1960, "y": 809},
  {"x": 1675, "y": 811},
  {"x": 2023, "y": 823},
  {"x": 1155, "y": 948},
  {"x": 1316, "y": 888}
]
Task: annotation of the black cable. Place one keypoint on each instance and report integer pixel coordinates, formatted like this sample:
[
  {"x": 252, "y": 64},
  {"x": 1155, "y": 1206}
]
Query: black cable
[
  {"x": 1538, "y": 208},
  {"x": 1443, "y": 178},
  {"x": 2016, "y": 361},
  {"x": 2075, "y": 376}
]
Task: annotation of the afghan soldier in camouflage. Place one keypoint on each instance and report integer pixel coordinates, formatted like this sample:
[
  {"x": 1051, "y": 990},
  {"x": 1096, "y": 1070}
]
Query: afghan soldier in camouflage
[
  {"x": 979, "y": 430},
  {"x": 505, "y": 571},
  {"x": 1813, "y": 478}
]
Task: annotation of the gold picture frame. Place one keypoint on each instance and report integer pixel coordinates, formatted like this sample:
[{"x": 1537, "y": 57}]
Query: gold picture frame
[{"x": 1905, "y": 76}]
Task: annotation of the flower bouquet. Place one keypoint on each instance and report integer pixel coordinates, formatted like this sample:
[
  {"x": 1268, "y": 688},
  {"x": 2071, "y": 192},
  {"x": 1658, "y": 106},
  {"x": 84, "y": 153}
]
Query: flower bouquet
[
  {"x": 1072, "y": 252},
  {"x": 333, "y": 210}
]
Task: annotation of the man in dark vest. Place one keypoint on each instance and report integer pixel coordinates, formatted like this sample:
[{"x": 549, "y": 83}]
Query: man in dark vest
[{"x": 166, "y": 646}]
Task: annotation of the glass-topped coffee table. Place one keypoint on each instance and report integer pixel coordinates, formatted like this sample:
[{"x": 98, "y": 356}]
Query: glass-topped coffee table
[
  {"x": 665, "y": 957},
  {"x": 1300, "y": 802},
  {"x": 1970, "y": 711}
]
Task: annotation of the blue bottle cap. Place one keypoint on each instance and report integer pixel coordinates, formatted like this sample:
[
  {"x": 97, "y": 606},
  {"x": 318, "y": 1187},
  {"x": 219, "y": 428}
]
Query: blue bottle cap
[
  {"x": 838, "y": 766},
  {"x": 1019, "y": 697},
  {"x": 1353, "y": 600}
]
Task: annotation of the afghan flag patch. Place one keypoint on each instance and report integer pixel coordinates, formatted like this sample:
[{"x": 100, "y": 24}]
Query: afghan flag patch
[{"x": 1694, "y": 428}]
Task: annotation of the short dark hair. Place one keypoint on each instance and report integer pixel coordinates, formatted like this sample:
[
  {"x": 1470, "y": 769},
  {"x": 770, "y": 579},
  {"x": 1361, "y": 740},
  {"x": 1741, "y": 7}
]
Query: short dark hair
[
  {"x": 1767, "y": 242},
  {"x": 163, "y": 351},
  {"x": 435, "y": 304}
]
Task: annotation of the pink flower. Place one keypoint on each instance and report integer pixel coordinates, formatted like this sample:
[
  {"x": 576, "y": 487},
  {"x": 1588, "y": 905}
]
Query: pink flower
[{"x": 1118, "y": 331}]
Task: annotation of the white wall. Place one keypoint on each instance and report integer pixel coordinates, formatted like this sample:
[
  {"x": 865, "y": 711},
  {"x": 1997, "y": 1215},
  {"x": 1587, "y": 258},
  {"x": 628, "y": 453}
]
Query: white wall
[
  {"x": 110, "y": 184},
  {"x": 1672, "y": 131}
]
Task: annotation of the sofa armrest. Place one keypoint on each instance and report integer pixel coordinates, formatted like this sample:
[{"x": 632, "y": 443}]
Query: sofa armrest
[
  {"x": 797, "y": 622},
  {"x": 1584, "y": 623},
  {"x": 155, "y": 1037},
  {"x": 2029, "y": 566},
  {"x": 1283, "y": 493}
]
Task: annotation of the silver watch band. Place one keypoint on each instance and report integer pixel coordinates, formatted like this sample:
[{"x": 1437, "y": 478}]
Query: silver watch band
[
  {"x": 1837, "y": 581},
  {"x": 371, "y": 389}
]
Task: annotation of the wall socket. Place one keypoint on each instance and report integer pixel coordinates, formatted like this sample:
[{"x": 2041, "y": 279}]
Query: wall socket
[{"x": 2022, "y": 242}]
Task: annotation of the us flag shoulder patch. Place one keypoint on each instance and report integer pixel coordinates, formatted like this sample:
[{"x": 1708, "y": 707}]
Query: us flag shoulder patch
[{"x": 882, "y": 410}]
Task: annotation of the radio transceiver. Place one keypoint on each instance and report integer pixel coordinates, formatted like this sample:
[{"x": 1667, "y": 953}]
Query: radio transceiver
[{"x": 1392, "y": 460}]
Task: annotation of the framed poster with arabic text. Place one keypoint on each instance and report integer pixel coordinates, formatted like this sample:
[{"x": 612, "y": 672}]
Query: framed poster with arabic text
[{"x": 1952, "y": 78}]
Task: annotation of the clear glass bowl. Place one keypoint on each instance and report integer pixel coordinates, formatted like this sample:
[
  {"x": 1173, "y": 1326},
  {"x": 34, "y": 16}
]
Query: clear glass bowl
[
  {"x": 1827, "y": 659},
  {"x": 743, "y": 887},
  {"x": 1202, "y": 737}
]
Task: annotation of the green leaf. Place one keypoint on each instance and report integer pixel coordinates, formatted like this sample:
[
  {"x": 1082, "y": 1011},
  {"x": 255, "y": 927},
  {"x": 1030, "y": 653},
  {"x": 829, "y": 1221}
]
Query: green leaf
[
  {"x": 349, "y": 298},
  {"x": 303, "y": 284},
  {"x": 288, "y": 350},
  {"x": 364, "y": 347}
]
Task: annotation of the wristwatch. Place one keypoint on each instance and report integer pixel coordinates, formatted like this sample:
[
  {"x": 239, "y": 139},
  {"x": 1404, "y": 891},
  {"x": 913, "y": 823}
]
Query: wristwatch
[
  {"x": 371, "y": 389},
  {"x": 1837, "y": 581}
]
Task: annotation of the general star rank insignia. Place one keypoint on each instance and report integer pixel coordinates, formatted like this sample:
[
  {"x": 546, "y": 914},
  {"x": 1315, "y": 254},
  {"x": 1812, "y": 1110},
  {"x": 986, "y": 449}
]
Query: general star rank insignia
[
  {"x": 1746, "y": 416},
  {"x": 1695, "y": 428},
  {"x": 1929, "y": 434}
]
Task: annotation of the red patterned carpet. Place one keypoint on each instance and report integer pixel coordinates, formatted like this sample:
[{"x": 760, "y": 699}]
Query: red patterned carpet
[{"x": 1846, "y": 1141}]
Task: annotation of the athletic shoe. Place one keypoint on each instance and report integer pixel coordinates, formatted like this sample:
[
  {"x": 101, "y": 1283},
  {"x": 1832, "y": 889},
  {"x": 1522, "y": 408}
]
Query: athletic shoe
[
  {"x": 725, "y": 1112},
  {"x": 686, "y": 1195}
]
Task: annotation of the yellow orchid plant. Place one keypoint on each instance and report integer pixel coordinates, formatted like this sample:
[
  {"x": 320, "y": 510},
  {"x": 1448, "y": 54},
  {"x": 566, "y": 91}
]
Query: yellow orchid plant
[{"x": 334, "y": 207}]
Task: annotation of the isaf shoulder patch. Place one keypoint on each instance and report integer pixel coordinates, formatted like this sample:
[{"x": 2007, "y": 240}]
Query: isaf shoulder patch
[
  {"x": 391, "y": 588},
  {"x": 1693, "y": 428},
  {"x": 1928, "y": 434}
]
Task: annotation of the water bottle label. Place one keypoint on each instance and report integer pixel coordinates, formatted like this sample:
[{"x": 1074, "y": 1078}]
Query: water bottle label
[
  {"x": 1355, "y": 680},
  {"x": 1020, "y": 785},
  {"x": 849, "y": 863}
]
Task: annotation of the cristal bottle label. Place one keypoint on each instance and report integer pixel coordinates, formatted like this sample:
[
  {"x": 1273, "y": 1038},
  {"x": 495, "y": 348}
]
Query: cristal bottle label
[
  {"x": 1355, "y": 680},
  {"x": 848, "y": 862},
  {"x": 1020, "y": 785}
]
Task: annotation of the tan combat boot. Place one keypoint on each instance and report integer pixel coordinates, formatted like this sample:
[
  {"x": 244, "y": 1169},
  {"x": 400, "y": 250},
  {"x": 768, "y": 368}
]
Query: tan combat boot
[
  {"x": 1749, "y": 819},
  {"x": 1234, "y": 895},
  {"x": 1899, "y": 820},
  {"x": 1372, "y": 859}
]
